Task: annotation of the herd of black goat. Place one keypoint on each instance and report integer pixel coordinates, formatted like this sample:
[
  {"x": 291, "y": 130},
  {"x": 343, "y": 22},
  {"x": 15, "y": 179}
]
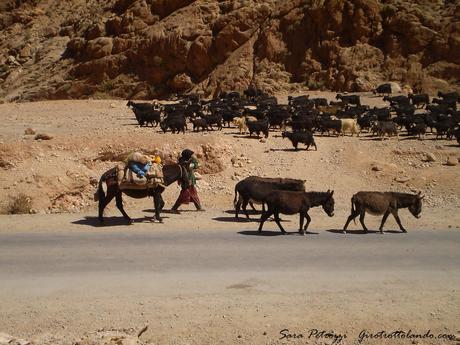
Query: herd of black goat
[{"x": 257, "y": 113}]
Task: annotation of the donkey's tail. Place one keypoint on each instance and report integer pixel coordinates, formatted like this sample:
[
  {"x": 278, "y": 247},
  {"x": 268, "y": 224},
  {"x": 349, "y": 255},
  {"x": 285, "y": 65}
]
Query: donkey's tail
[
  {"x": 99, "y": 194},
  {"x": 353, "y": 208},
  {"x": 236, "y": 194}
]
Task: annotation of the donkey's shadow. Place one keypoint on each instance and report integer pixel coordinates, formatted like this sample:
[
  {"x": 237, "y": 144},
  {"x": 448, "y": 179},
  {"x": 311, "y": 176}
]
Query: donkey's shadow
[{"x": 111, "y": 221}]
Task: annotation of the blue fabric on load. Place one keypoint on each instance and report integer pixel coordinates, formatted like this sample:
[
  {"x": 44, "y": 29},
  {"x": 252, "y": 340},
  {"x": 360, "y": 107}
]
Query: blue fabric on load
[{"x": 139, "y": 169}]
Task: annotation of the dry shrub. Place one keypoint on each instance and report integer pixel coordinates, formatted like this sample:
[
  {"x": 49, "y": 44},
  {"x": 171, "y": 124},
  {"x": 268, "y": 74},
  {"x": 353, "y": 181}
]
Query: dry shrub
[
  {"x": 29, "y": 131},
  {"x": 43, "y": 136},
  {"x": 19, "y": 204},
  {"x": 5, "y": 164}
]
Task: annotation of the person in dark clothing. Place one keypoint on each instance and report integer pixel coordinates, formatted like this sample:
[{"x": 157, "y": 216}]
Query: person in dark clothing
[{"x": 188, "y": 191}]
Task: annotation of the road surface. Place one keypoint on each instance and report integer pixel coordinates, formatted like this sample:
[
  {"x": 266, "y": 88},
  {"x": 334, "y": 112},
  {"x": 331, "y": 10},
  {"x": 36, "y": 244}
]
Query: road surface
[{"x": 224, "y": 284}]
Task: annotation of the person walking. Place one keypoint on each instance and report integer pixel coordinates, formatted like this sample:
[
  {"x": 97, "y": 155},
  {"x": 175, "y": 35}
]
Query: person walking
[{"x": 188, "y": 191}]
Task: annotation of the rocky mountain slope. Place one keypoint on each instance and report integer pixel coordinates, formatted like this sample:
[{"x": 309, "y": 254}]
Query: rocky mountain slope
[{"x": 153, "y": 48}]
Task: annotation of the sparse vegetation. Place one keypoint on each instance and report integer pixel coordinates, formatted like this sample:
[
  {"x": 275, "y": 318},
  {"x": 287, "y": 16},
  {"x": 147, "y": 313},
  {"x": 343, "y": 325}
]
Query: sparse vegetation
[
  {"x": 157, "y": 60},
  {"x": 20, "y": 204},
  {"x": 5, "y": 164},
  {"x": 43, "y": 136},
  {"x": 152, "y": 90},
  {"x": 314, "y": 85},
  {"x": 107, "y": 85}
]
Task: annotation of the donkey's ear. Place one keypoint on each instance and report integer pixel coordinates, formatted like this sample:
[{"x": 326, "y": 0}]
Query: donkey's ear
[
  {"x": 328, "y": 191},
  {"x": 331, "y": 192}
]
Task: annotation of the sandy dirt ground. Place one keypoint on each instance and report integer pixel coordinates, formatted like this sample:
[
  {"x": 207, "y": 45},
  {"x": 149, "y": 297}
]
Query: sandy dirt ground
[
  {"x": 59, "y": 176},
  {"x": 88, "y": 136}
]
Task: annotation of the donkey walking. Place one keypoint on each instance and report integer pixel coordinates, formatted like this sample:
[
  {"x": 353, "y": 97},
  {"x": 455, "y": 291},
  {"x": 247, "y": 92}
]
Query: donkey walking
[
  {"x": 287, "y": 202},
  {"x": 378, "y": 203},
  {"x": 171, "y": 173}
]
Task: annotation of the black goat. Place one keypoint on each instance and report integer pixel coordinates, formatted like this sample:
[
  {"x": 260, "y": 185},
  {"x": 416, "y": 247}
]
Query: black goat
[
  {"x": 300, "y": 137},
  {"x": 145, "y": 113},
  {"x": 260, "y": 126}
]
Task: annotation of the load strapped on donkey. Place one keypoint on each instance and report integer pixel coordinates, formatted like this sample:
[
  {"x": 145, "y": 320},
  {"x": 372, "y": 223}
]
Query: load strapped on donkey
[{"x": 140, "y": 171}]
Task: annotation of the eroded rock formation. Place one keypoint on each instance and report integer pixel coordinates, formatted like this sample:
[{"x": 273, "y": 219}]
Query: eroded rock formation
[{"x": 153, "y": 48}]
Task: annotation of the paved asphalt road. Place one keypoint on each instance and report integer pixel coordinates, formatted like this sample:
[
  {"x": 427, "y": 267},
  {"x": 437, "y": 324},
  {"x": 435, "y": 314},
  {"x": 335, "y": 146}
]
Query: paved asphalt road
[{"x": 186, "y": 257}]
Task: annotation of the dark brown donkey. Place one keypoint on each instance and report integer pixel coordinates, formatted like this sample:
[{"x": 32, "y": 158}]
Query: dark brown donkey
[
  {"x": 378, "y": 203},
  {"x": 287, "y": 202},
  {"x": 256, "y": 189},
  {"x": 171, "y": 172}
]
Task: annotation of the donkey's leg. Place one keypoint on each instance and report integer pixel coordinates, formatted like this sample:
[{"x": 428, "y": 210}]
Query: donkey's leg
[
  {"x": 307, "y": 216},
  {"x": 263, "y": 218},
  {"x": 302, "y": 215},
  {"x": 103, "y": 202},
  {"x": 352, "y": 216},
  {"x": 395, "y": 214},
  {"x": 278, "y": 222},
  {"x": 362, "y": 213},
  {"x": 237, "y": 206},
  {"x": 384, "y": 219},
  {"x": 119, "y": 202},
  {"x": 157, "y": 203},
  {"x": 245, "y": 205}
]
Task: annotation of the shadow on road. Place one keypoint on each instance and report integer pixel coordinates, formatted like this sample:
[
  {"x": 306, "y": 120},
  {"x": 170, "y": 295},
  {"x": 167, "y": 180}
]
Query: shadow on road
[
  {"x": 232, "y": 219},
  {"x": 264, "y": 233},
  {"x": 273, "y": 233},
  {"x": 111, "y": 221},
  {"x": 180, "y": 211},
  {"x": 242, "y": 218},
  {"x": 352, "y": 232},
  {"x": 394, "y": 232},
  {"x": 250, "y": 212}
]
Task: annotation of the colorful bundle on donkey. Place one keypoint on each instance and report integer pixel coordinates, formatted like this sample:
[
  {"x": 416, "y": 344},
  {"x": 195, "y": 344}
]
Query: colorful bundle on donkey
[{"x": 140, "y": 172}]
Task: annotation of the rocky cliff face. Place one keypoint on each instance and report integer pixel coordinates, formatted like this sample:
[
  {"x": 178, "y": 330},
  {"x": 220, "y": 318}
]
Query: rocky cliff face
[{"x": 153, "y": 48}]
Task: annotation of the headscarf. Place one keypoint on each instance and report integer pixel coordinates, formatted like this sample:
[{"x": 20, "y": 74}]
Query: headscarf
[{"x": 185, "y": 155}]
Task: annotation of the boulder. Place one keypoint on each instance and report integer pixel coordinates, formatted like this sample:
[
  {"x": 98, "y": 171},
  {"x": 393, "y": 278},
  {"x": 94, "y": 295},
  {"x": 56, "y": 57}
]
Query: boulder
[
  {"x": 452, "y": 161},
  {"x": 402, "y": 179},
  {"x": 181, "y": 82},
  {"x": 430, "y": 157}
]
